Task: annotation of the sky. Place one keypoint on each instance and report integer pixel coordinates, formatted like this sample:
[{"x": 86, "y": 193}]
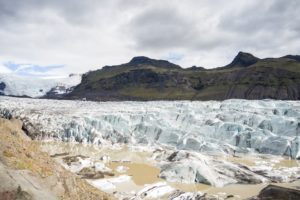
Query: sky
[{"x": 55, "y": 37}]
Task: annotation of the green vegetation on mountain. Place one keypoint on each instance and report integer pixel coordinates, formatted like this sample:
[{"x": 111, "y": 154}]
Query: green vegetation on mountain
[{"x": 246, "y": 77}]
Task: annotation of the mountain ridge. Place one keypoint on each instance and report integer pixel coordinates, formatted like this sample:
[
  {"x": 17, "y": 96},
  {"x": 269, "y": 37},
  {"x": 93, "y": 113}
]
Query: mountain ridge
[
  {"x": 143, "y": 78},
  {"x": 246, "y": 77}
]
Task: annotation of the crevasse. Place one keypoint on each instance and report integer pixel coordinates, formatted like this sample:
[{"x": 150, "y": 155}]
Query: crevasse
[{"x": 214, "y": 127}]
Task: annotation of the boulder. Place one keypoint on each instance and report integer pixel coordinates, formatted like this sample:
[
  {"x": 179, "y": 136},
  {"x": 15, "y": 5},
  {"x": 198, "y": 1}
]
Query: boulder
[{"x": 274, "y": 192}]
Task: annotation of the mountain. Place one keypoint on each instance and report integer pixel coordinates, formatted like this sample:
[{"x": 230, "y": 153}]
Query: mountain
[
  {"x": 243, "y": 60},
  {"x": 14, "y": 85},
  {"x": 294, "y": 57},
  {"x": 246, "y": 77}
]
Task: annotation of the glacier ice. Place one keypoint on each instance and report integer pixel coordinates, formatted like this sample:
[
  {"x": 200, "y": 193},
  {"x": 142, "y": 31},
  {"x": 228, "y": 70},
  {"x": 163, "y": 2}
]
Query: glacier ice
[
  {"x": 36, "y": 87},
  {"x": 213, "y": 127},
  {"x": 191, "y": 167}
]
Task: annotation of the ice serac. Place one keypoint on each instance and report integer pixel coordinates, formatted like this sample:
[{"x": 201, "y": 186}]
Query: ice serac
[{"x": 213, "y": 127}]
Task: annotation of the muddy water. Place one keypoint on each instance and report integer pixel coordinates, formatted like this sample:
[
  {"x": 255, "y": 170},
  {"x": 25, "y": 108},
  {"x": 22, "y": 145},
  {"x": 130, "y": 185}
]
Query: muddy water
[
  {"x": 141, "y": 173},
  {"x": 142, "y": 170},
  {"x": 252, "y": 160}
]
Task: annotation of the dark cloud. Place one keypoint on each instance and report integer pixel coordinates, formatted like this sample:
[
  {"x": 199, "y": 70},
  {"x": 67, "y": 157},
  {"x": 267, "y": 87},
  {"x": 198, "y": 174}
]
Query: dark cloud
[
  {"x": 167, "y": 27},
  {"x": 160, "y": 28},
  {"x": 265, "y": 25}
]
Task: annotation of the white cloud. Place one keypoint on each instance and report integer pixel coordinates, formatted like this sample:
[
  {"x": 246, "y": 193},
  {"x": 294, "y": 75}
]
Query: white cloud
[{"x": 85, "y": 35}]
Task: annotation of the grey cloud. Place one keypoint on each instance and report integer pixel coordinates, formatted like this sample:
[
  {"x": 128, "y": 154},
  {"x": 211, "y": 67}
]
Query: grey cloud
[
  {"x": 272, "y": 15},
  {"x": 168, "y": 27},
  {"x": 73, "y": 11},
  {"x": 266, "y": 25},
  {"x": 82, "y": 34},
  {"x": 159, "y": 28}
]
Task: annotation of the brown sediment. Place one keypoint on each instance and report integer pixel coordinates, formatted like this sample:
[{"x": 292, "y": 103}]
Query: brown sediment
[
  {"x": 141, "y": 173},
  {"x": 191, "y": 187},
  {"x": 250, "y": 160},
  {"x": 240, "y": 160},
  {"x": 287, "y": 162}
]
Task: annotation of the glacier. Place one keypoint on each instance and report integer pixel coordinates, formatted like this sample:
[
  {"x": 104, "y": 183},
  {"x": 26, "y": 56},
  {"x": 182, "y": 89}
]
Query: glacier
[
  {"x": 210, "y": 127},
  {"x": 15, "y": 85}
]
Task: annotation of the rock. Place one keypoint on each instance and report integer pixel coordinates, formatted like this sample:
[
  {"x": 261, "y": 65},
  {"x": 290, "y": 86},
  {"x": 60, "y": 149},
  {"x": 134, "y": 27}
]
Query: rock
[
  {"x": 32, "y": 130},
  {"x": 154, "y": 191},
  {"x": 243, "y": 60},
  {"x": 229, "y": 196},
  {"x": 172, "y": 156},
  {"x": 273, "y": 192},
  {"x": 91, "y": 173},
  {"x": 59, "y": 154},
  {"x": 71, "y": 159},
  {"x": 187, "y": 196},
  {"x": 105, "y": 159},
  {"x": 22, "y": 185},
  {"x": 2, "y": 88},
  {"x": 17, "y": 194}
]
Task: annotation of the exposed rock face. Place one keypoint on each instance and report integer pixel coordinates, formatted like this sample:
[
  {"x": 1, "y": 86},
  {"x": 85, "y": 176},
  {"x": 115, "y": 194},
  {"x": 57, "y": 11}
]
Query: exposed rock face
[
  {"x": 273, "y": 192},
  {"x": 243, "y": 60},
  {"x": 142, "y": 60},
  {"x": 58, "y": 92},
  {"x": 246, "y": 77},
  {"x": 2, "y": 87},
  {"x": 17, "y": 194},
  {"x": 188, "y": 196},
  {"x": 294, "y": 57}
]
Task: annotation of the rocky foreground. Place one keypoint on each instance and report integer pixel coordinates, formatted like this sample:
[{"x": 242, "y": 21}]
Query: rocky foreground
[
  {"x": 151, "y": 150},
  {"x": 28, "y": 173}
]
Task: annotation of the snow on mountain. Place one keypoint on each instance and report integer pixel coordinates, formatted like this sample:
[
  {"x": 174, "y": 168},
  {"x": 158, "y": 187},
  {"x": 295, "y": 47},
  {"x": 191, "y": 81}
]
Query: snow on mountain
[
  {"x": 262, "y": 126},
  {"x": 15, "y": 85}
]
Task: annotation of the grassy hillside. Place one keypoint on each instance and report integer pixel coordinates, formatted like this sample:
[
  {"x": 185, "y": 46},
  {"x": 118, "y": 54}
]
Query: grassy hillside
[{"x": 143, "y": 78}]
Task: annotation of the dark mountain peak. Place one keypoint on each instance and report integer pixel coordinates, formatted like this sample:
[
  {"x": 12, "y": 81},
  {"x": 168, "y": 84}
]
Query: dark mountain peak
[
  {"x": 140, "y": 60},
  {"x": 242, "y": 54},
  {"x": 143, "y": 60},
  {"x": 243, "y": 59},
  {"x": 294, "y": 57},
  {"x": 196, "y": 68}
]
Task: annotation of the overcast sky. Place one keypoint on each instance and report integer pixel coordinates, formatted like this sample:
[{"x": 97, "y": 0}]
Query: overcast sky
[{"x": 56, "y": 37}]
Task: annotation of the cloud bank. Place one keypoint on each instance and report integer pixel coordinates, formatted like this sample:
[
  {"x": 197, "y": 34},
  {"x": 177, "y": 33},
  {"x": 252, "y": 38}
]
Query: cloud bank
[{"x": 85, "y": 35}]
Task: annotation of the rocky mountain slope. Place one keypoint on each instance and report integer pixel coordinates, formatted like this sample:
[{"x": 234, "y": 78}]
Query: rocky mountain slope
[
  {"x": 27, "y": 173},
  {"x": 246, "y": 77}
]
